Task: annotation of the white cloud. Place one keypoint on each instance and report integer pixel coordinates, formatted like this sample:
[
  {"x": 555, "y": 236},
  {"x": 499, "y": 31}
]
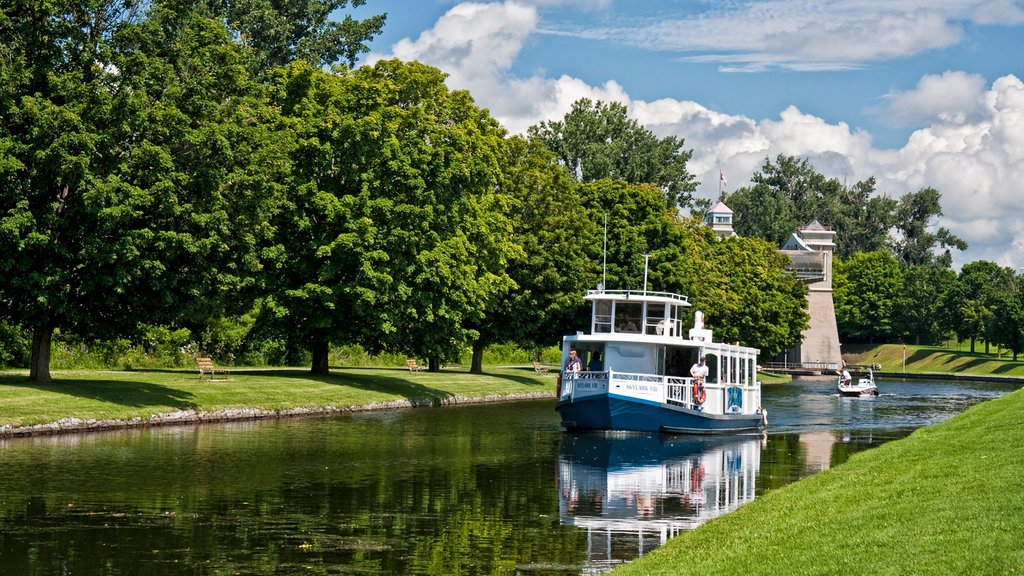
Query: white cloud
[
  {"x": 794, "y": 35},
  {"x": 998, "y": 13},
  {"x": 953, "y": 96}
]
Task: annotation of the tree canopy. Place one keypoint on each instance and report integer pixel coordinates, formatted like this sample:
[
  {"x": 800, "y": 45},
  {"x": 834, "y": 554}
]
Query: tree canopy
[
  {"x": 396, "y": 232},
  {"x": 789, "y": 192},
  {"x": 136, "y": 166},
  {"x": 597, "y": 140},
  {"x": 278, "y": 32}
]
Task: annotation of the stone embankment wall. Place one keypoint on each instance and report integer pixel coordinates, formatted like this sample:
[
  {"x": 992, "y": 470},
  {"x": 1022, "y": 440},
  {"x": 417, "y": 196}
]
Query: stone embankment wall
[{"x": 68, "y": 425}]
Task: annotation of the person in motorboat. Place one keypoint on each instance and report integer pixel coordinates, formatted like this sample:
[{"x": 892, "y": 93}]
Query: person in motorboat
[{"x": 846, "y": 378}]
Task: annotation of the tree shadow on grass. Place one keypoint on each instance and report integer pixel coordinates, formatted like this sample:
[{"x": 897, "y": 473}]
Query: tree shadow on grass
[
  {"x": 407, "y": 388},
  {"x": 410, "y": 386},
  {"x": 123, "y": 392}
]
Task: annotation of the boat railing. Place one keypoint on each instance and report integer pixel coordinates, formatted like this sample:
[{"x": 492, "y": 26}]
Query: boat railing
[
  {"x": 669, "y": 295},
  {"x": 677, "y": 390}
]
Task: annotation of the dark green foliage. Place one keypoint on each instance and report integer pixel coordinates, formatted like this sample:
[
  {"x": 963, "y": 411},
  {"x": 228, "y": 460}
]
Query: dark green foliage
[
  {"x": 396, "y": 234},
  {"x": 916, "y": 244},
  {"x": 790, "y": 193},
  {"x": 559, "y": 250},
  {"x": 596, "y": 140},
  {"x": 866, "y": 291},
  {"x": 278, "y": 32},
  {"x": 138, "y": 170}
]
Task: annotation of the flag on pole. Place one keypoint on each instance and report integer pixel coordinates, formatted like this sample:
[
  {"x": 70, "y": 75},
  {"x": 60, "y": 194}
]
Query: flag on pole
[{"x": 721, "y": 178}]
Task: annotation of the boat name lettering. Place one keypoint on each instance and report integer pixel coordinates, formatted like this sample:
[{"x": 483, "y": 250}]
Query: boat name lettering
[{"x": 642, "y": 387}]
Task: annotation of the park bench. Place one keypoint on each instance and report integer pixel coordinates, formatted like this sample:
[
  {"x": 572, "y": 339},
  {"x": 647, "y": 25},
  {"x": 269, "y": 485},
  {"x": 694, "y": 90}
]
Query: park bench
[
  {"x": 206, "y": 367},
  {"x": 540, "y": 368},
  {"x": 412, "y": 366}
]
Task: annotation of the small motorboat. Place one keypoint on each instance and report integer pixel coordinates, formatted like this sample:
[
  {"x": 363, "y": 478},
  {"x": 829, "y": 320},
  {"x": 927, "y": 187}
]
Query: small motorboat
[{"x": 863, "y": 384}]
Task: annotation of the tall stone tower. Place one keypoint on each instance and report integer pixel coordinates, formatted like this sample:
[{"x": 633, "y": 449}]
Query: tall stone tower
[{"x": 810, "y": 250}]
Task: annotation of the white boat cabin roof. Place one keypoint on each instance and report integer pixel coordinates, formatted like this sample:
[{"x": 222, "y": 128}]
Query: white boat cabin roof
[{"x": 629, "y": 312}]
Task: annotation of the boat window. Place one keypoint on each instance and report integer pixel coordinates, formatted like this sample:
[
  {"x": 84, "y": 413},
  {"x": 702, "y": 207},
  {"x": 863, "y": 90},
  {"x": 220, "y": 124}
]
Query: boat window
[
  {"x": 655, "y": 320},
  {"x": 628, "y": 316},
  {"x": 602, "y": 316}
]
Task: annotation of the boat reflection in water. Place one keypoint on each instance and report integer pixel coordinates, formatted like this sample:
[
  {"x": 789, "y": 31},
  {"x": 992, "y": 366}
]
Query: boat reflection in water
[{"x": 632, "y": 491}]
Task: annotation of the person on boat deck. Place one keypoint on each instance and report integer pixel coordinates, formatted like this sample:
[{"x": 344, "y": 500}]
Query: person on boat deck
[
  {"x": 573, "y": 364},
  {"x": 699, "y": 371},
  {"x": 595, "y": 364},
  {"x": 847, "y": 379},
  {"x": 627, "y": 325}
]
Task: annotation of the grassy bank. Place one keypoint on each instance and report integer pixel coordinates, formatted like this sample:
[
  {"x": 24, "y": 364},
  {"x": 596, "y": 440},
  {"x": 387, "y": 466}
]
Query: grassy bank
[
  {"x": 124, "y": 395},
  {"x": 949, "y": 499},
  {"x": 935, "y": 359}
]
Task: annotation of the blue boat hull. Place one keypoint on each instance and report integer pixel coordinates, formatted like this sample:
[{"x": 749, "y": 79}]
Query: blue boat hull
[{"x": 612, "y": 412}]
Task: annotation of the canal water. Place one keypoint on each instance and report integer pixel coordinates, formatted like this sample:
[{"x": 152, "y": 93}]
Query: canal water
[{"x": 492, "y": 489}]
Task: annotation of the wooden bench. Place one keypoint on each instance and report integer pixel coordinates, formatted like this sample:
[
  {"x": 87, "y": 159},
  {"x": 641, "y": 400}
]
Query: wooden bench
[
  {"x": 540, "y": 368},
  {"x": 206, "y": 366},
  {"x": 412, "y": 366}
]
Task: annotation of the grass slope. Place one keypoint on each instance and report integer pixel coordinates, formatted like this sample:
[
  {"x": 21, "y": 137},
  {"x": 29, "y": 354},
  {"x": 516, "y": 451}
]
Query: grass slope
[
  {"x": 104, "y": 395},
  {"x": 936, "y": 360},
  {"x": 948, "y": 499}
]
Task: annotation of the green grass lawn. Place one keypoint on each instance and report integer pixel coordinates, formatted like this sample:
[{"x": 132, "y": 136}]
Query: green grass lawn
[
  {"x": 936, "y": 359},
  {"x": 949, "y": 499},
  {"x": 101, "y": 395}
]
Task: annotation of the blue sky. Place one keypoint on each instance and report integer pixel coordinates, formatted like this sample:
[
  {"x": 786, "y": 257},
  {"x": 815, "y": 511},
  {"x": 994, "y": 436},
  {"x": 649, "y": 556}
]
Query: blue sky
[{"x": 913, "y": 93}]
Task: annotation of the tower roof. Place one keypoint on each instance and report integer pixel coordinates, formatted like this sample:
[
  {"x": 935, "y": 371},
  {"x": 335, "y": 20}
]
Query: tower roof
[{"x": 721, "y": 208}]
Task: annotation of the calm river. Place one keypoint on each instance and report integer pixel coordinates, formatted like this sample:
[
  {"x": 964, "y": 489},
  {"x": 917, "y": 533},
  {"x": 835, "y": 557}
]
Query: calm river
[{"x": 493, "y": 489}]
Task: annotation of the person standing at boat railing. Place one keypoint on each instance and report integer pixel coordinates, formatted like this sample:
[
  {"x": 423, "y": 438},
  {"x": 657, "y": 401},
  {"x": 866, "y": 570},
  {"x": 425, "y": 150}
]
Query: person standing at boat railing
[
  {"x": 595, "y": 364},
  {"x": 573, "y": 365},
  {"x": 699, "y": 371}
]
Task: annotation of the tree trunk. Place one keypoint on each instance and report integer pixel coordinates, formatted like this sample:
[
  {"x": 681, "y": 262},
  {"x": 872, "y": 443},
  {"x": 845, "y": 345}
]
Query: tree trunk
[
  {"x": 972, "y": 345},
  {"x": 986, "y": 346},
  {"x": 39, "y": 364},
  {"x": 435, "y": 364},
  {"x": 320, "y": 351},
  {"x": 476, "y": 366}
]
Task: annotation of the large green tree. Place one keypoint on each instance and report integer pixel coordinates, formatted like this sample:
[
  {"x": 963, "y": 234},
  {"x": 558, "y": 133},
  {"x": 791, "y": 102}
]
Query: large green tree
[
  {"x": 920, "y": 316},
  {"x": 974, "y": 302},
  {"x": 866, "y": 289},
  {"x": 597, "y": 140},
  {"x": 918, "y": 239},
  {"x": 396, "y": 232},
  {"x": 137, "y": 169},
  {"x": 558, "y": 259}
]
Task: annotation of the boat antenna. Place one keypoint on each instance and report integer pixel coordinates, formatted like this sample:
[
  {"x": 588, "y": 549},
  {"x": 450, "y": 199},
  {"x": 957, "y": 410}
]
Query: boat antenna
[
  {"x": 604, "y": 266},
  {"x": 646, "y": 258}
]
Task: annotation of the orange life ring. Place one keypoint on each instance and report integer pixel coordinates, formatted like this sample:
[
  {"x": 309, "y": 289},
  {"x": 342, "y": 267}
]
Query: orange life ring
[{"x": 699, "y": 393}]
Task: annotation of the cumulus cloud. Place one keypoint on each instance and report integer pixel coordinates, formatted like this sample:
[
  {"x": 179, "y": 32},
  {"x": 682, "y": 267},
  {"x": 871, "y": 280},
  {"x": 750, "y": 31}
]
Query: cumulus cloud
[
  {"x": 953, "y": 96},
  {"x": 969, "y": 144}
]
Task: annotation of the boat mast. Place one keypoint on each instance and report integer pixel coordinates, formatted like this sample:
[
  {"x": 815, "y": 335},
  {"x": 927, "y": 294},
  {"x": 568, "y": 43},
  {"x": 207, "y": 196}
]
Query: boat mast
[
  {"x": 604, "y": 266},
  {"x": 646, "y": 258}
]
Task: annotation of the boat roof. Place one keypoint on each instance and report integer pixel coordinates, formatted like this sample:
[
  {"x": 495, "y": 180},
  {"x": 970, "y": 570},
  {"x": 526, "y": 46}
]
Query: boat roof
[{"x": 639, "y": 296}]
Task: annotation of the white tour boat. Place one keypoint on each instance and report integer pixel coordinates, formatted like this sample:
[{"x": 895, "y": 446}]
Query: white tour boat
[
  {"x": 861, "y": 385},
  {"x": 635, "y": 372}
]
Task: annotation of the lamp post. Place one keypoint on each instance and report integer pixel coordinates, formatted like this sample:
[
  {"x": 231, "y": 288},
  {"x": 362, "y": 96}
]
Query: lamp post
[{"x": 904, "y": 358}]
